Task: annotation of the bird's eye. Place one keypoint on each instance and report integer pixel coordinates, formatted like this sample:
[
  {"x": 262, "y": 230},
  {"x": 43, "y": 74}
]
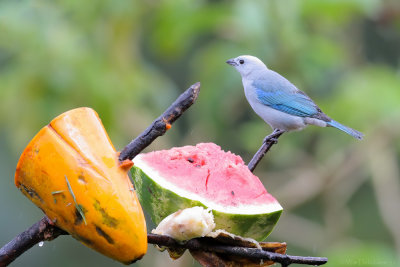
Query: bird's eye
[{"x": 241, "y": 61}]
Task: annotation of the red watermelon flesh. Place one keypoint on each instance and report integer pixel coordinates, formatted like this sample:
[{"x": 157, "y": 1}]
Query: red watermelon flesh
[{"x": 206, "y": 173}]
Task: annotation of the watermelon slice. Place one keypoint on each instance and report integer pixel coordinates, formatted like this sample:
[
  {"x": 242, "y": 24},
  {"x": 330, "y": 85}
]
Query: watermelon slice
[{"x": 204, "y": 175}]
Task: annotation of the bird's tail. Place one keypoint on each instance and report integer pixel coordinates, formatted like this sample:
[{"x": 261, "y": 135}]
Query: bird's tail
[{"x": 348, "y": 130}]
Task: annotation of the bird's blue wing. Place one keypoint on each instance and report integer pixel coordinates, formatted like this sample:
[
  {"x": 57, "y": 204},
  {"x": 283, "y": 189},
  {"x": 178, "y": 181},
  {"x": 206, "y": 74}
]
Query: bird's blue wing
[{"x": 293, "y": 102}]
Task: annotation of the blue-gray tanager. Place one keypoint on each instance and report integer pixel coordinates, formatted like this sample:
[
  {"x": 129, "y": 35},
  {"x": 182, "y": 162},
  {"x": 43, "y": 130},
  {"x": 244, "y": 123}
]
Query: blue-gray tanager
[{"x": 278, "y": 102}]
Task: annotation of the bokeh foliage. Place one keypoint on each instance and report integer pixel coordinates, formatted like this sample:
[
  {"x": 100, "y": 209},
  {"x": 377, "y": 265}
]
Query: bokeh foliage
[{"x": 130, "y": 59}]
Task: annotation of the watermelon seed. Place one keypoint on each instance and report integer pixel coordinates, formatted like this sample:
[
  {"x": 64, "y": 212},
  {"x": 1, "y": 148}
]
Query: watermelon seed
[
  {"x": 191, "y": 160},
  {"x": 233, "y": 193}
]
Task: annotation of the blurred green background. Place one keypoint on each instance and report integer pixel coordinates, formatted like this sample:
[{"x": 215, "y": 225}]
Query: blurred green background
[{"x": 130, "y": 59}]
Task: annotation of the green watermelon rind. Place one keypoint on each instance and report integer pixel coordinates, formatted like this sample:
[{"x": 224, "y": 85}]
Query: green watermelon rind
[{"x": 160, "y": 202}]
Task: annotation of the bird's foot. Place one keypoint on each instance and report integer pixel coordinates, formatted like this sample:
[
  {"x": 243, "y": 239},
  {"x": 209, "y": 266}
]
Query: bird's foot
[
  {"x": 270, "y": 139},
  {"x": 273, "y": 137},
  {"x": 274, "y": 140}
]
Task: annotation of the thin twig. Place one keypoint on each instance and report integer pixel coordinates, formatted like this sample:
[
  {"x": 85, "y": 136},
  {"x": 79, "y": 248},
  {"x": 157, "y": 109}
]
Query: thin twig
[
  {"x": 77, "y": 206},
  {"x": 162, "y": 123},
  {"x": 43, "y": 230},
  {"x": 268, "y": 142}
]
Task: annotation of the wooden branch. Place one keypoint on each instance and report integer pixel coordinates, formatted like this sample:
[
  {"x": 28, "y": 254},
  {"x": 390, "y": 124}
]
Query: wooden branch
[
  {"x": 268, "y": 142},
  {"x": 43, "y": 230},
  {"x": 203, "y": 244},
  {"x": 162, "y": 123}
]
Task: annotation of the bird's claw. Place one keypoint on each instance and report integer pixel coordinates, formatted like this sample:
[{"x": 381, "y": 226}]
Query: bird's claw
[{"x": 272, "y": 140}]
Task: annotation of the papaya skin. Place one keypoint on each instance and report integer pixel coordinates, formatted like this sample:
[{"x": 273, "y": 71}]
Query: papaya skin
[{"x": 99, "y": 206}]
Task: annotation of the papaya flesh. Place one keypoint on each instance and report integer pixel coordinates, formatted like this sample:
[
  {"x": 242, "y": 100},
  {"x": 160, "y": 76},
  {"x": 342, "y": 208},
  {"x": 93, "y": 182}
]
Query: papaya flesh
[{"x": 71, "y": 171}]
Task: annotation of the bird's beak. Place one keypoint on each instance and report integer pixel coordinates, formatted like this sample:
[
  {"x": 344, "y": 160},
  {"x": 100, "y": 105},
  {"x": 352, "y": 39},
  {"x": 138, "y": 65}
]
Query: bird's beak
[{"x": 232, "y": 62}]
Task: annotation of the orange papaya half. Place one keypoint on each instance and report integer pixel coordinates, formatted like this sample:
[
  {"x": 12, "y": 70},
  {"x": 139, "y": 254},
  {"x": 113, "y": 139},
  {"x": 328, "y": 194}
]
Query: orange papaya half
[{"x": 71, "y": 171}]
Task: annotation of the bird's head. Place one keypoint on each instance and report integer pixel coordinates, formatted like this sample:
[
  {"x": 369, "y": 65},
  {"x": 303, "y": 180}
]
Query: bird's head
[{"x": 247, "y": 65}]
